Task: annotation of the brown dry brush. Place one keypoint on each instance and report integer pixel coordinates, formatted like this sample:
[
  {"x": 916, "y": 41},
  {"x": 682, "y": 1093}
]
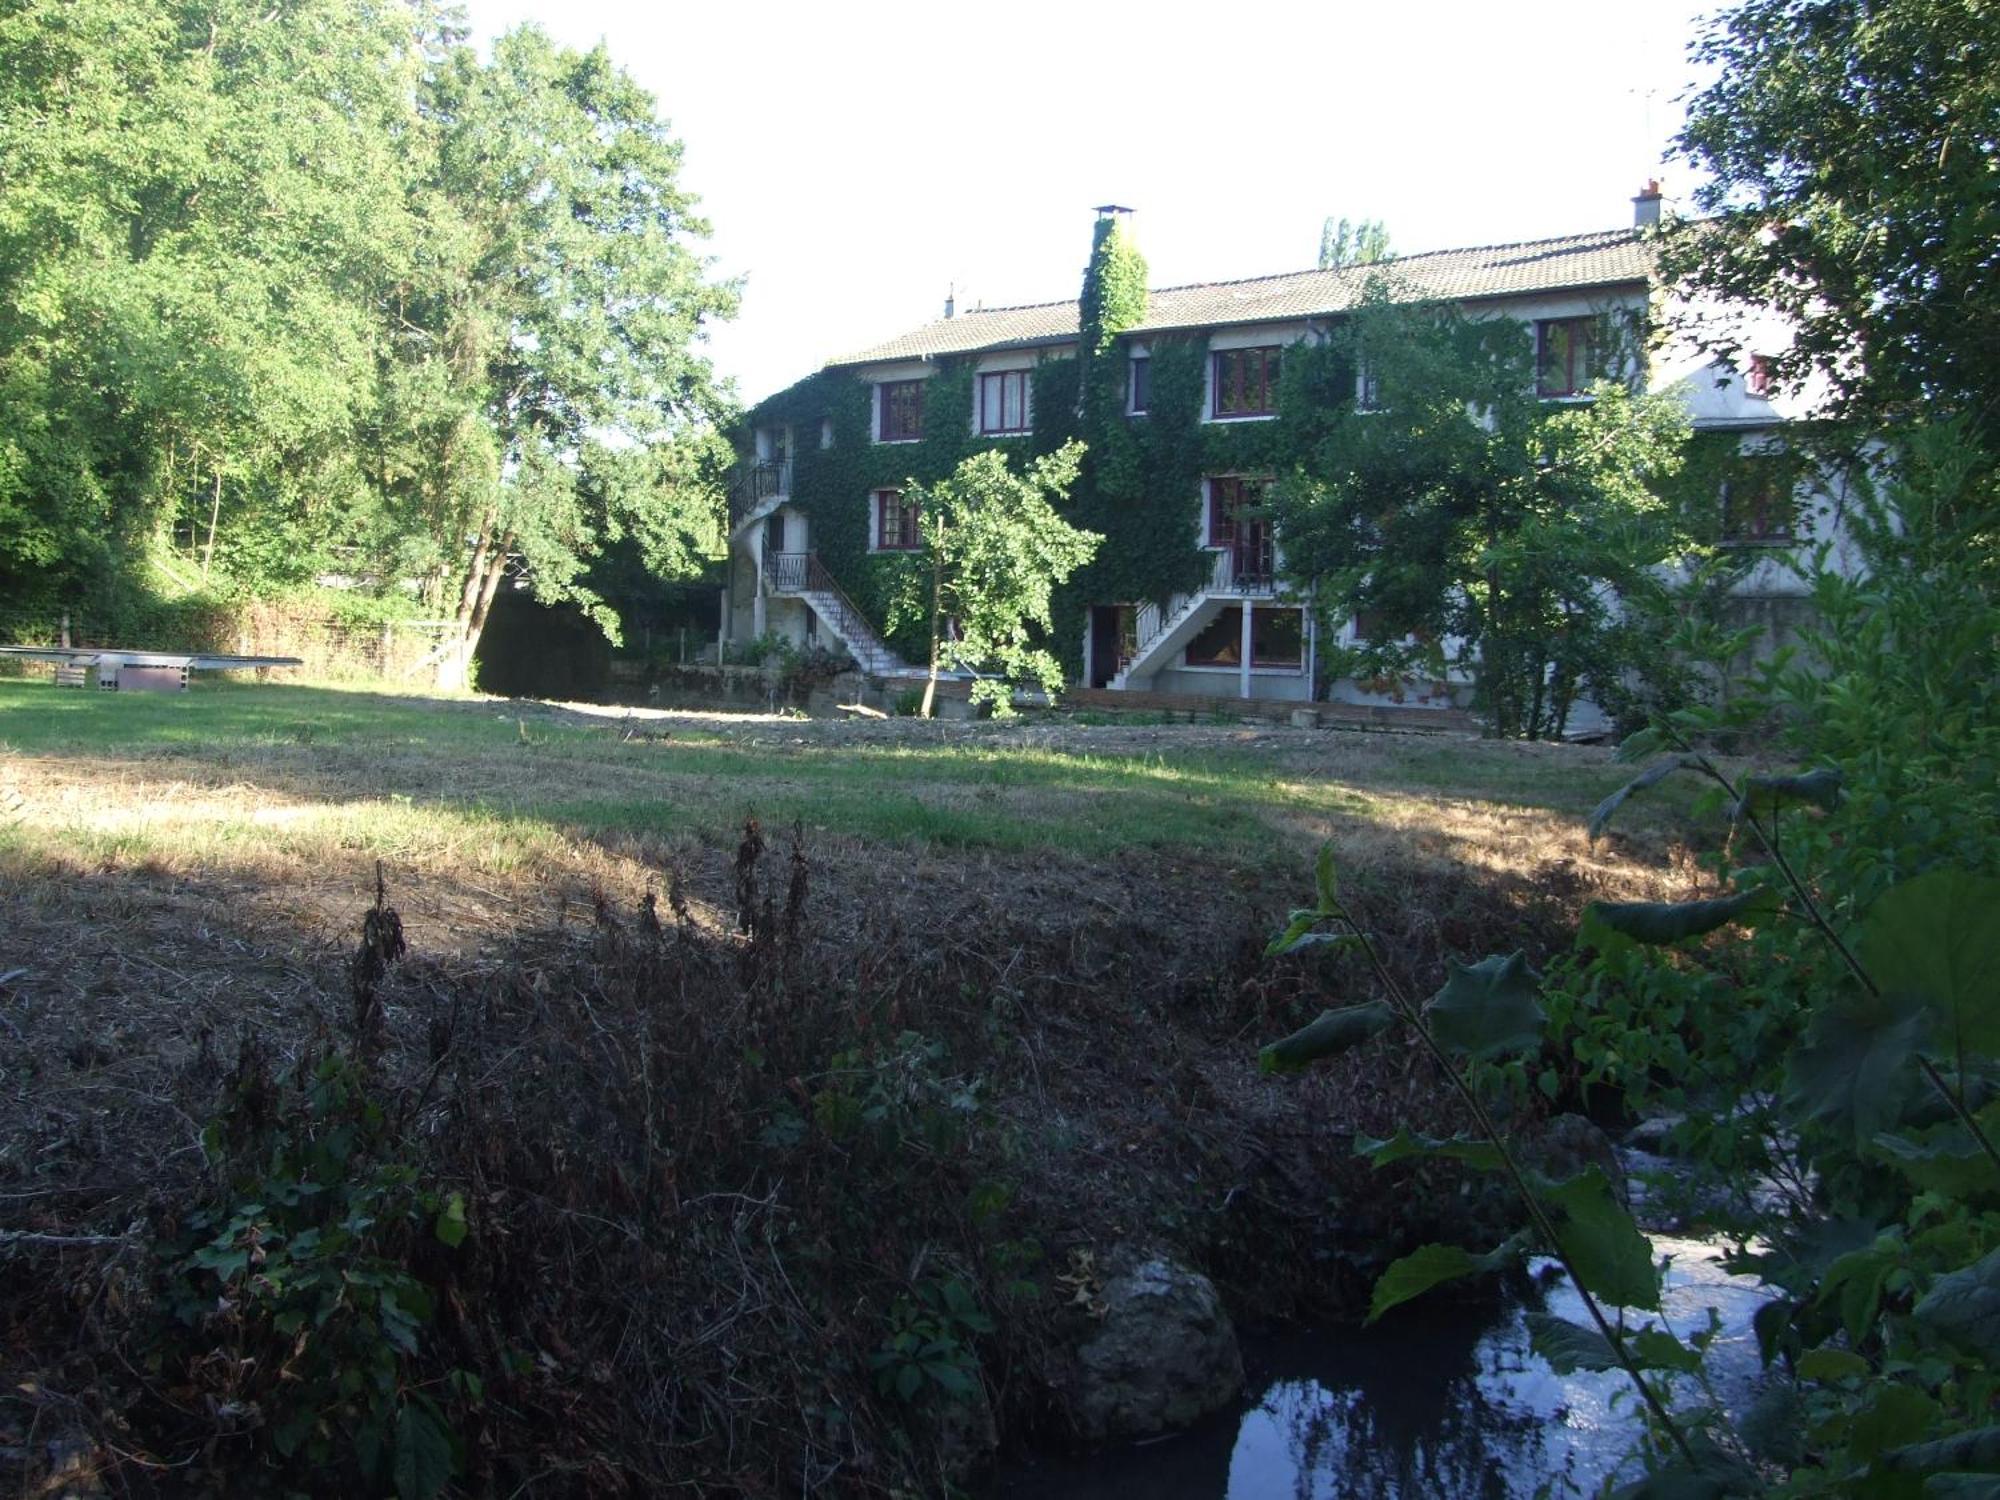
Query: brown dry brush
[{"x": 698, "y": 1170}]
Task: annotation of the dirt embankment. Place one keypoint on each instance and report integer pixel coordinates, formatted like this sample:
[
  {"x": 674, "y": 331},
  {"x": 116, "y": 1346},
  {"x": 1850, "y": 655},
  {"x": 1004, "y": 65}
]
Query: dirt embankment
[{"x": 664, "y": 1184}]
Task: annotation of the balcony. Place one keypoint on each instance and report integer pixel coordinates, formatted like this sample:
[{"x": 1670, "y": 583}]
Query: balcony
[
  {"x": 756, "y": 486},
  {"x": 1247, "y": 565}
]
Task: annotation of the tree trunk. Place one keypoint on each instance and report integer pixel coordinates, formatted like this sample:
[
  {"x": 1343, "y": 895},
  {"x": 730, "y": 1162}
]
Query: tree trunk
[
  {"x": 475, "y": 600},
  {"x": 937, "y": 617},
  {"x": 214, "y": 513}
]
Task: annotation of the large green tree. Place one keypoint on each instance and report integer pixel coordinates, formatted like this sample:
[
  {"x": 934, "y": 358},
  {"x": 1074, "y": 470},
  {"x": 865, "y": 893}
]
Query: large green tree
[
  {"x": 1475, "y": 527},
  {"x": 198, "y": 207},
  {"x": 551, "y": 397},
  {"x": 1852, "y": 153}
]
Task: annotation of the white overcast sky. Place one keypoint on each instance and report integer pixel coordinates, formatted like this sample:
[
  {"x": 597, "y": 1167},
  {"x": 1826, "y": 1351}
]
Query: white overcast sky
[{"x": 857, "y": 160}]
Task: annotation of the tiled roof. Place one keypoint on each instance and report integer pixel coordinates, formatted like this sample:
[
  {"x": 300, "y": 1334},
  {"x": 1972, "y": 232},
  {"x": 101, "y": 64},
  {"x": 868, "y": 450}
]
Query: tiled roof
[{"x": 1610, "y": 258}]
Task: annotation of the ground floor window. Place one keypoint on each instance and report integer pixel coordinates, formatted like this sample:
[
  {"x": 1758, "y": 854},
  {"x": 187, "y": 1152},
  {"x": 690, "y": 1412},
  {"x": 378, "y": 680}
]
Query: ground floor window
[{"x": 1277, "y": 639}]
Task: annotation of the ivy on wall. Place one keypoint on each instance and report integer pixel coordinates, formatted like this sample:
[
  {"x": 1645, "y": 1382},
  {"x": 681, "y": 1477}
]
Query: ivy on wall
[{"x": 1142, "y": 480}]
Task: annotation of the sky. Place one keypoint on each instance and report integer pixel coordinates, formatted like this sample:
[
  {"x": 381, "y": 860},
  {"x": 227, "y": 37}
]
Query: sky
[{"x": 857, "y": 162}]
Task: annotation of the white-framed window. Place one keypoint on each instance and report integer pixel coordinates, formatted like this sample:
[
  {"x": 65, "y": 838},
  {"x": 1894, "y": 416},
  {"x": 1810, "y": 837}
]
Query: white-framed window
[
  {"x": 1001, "y": 403},
  {"x": 894, "y": 519}
]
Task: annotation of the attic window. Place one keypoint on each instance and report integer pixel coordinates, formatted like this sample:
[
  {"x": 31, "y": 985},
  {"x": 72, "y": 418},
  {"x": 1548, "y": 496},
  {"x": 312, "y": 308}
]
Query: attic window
[{"x": 1757, "y": 378}]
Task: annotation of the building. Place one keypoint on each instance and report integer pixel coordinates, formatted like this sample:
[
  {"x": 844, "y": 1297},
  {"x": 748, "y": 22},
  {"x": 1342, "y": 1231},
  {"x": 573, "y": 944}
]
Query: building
[{"x": 1189, "y": 594}]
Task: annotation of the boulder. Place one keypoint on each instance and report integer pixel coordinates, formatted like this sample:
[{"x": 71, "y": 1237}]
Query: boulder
[
  {"x": 1562, "y": 1146},
  {"x": 1163, "y": 1356}
]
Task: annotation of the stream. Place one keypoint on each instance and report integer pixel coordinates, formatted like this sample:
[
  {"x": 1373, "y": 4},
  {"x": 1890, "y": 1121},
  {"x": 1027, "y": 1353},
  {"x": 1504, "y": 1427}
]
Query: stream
[{"x": 1438, "y": 1402}]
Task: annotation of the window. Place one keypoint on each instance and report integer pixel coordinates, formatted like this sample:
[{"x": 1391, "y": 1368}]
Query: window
[
  {"x": 1757, "y": 504},
  {"x": 902, "y": 411},
  {"x": 1565, "y": 356},
  {"x": 1757, "y": 378},
  {"x": 1367, "y": 625},
  {"x": 1277, "y": 639},
  {"x": 1227, "y": 499},
  {"x": 1368, "y": 389},
  {"x": 1565, "y": 350},
  {"x": 1246, "y": 382},
  {"x": 895, "y": 523},
  {"x": 1003, "y": 402},
  {"x": 1139, "y": 385}
]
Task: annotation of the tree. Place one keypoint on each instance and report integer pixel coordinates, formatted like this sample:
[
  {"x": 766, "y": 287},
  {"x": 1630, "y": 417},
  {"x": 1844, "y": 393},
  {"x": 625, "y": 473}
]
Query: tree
[
  {"x": 1344, "y": 244},
  {"x": 1477, "y": 527},
  {"x": 994, "y": 549},
  {"x": 200, "y": 209},
  {"x": 1853, "y": 155},
  {"x": 552, "y": 397}
]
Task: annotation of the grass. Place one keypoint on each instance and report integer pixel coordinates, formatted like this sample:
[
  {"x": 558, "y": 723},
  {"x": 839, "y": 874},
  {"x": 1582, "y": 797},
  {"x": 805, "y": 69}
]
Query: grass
[{"x": 495, "y": 767}]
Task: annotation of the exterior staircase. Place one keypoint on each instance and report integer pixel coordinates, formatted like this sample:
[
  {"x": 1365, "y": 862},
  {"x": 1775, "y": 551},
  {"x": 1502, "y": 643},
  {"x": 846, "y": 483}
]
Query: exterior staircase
[
  {"x": 1238, "y": 575},
  {"x": 800, "y": 575}
]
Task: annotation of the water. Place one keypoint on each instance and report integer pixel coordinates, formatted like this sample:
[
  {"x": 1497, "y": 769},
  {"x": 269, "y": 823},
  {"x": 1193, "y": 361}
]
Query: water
[{"x": 1436, "y": 1403}]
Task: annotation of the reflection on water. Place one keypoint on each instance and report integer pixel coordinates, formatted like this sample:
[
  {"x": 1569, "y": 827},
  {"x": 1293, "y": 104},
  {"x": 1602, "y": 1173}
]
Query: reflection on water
[{"x": 1436, "y": 1403}]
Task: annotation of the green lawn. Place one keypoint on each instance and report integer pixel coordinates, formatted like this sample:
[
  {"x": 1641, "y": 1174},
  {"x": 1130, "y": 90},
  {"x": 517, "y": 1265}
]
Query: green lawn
[{"x": 288, "y": 765}]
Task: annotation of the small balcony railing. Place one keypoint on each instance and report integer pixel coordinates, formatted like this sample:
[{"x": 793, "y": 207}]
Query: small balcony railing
[
  {"x": 787, "y": 572},
  {"x": 1248, "y": 565},
  {"x": 766, "y": 479}
]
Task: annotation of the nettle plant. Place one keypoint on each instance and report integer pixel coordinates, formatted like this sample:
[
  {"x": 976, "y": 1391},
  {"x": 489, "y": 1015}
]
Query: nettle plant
[{"x": 1886, "y": 1321}]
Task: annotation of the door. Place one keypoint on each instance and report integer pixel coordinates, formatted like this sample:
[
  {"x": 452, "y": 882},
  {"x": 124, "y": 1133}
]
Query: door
[{"x": 1108, "y": 637}]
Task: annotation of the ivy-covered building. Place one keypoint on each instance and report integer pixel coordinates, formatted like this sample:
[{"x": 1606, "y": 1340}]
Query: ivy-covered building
[{"x": 1181, "y": 397}]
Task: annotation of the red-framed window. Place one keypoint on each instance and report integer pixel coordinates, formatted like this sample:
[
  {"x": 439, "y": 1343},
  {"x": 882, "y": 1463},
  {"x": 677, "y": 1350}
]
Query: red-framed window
[
  {"x": 896, "y": 523},
  {"x": 1228, "y": 497},
  {"x": 1277, "y": 639},
  {"x": 1757, "y": 377},
  {"x": 1757, "y": 505},
  {"x": 1565, "y": 356},
  {"x": 1245, "y": 382},
  {"x": 1003, "y": 402},
  {"x": 902, "y": 419},
  {"x": 1139, "y": 385}
]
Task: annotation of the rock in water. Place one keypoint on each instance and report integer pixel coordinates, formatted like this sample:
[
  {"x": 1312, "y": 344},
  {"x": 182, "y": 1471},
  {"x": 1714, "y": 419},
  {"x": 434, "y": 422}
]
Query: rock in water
[{"x": 1164, "y": 1356}]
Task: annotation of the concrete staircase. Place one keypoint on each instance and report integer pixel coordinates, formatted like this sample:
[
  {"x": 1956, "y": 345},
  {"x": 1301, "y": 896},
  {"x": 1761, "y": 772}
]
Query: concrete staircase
[{"x": 799, "y": 575}]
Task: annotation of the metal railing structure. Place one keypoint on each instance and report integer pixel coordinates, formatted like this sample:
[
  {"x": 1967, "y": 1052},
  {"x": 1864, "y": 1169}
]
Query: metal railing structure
[
  {"x": 803, "y": 573},
  {"x": 755, "y": 484}
]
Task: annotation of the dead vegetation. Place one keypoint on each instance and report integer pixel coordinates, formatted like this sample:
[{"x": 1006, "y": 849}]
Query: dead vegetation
[{"x": 707, "y": 1158}]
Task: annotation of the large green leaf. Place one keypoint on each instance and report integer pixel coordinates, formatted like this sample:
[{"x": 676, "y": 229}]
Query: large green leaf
[
  {"x": 1652, "y": 776},
  {"x": 1404, "y": 1145},
  {"x": 422, "y": 1456},
  {"x": 1962, "y": 1487},
  {"x": 1569, "y": 1346},
  {"x": 1488, "y": 1008},
  {"x": 1937, "y": 938},
  {"x": 1605, "y": 1249},
  {"x": 1764, "y": 794},
  {"x": 1965, "y": 1306},
  {"x": 1335, "y": 1031},
  {"x": 1430, "y": 1266},
  {"x": 1851, "y": 1071},
  {"x": 1976, "y": 1449},
  {"x": 1658, "y": 922},
  {"x": 1945, "y": 1159}
]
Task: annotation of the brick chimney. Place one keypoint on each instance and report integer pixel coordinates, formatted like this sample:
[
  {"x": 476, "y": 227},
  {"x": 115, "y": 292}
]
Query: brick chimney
[{"x": 1646, "y": 206}]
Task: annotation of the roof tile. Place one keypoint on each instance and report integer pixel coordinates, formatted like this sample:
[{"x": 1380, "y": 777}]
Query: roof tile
[{"x": 1608, "y": 258}]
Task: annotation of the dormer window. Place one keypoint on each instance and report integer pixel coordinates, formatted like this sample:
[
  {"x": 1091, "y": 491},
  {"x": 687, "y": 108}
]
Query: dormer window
[
  {"x": 1245, "y": 382},
  {"x": 1757, "y": 377},
  {"x": 902, "y": 413}
]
